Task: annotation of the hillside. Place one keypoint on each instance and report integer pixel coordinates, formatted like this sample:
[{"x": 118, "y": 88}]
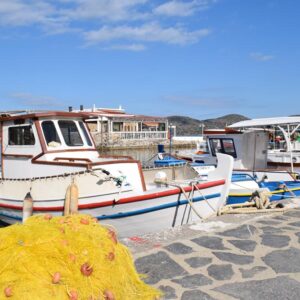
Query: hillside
[{"x": 186, "y": 126}]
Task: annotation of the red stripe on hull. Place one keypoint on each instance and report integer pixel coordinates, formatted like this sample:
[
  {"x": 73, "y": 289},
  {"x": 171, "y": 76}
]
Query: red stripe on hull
[{"x": 172, "y": 192}]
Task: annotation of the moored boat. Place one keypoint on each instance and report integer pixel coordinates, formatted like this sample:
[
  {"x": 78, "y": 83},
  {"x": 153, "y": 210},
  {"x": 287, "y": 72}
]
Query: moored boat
[{"x": 43, "y": 154}]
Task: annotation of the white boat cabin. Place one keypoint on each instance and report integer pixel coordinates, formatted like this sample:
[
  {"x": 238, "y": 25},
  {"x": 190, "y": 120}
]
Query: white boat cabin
[
  {"x": 248, "y": 148},
  {"x": 55, "y": 143}
]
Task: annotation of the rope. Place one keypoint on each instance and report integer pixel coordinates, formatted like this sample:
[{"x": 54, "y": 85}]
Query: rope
[
  {"x": 190, "y": 200},
  {"x": 259, "y": 203}
]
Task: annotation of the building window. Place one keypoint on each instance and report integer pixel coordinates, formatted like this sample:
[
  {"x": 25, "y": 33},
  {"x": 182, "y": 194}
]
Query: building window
[
  {"x": 162, "y": 127},
  {"x": 50, "y": 133},
  {"x": 118, "y": 126},
  {"x": 70, "y": 133},
  {"x": 21, "y": 136},
  {"x": 86, "y": 135}
]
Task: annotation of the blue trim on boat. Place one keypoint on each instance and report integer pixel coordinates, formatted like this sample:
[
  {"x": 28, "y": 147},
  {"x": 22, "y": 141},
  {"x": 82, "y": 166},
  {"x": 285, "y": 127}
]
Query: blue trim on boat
[
  {"x": 2, "y": 214},
  {"x": 135, "y": 212},
  {"x": 155, "y": 208}
]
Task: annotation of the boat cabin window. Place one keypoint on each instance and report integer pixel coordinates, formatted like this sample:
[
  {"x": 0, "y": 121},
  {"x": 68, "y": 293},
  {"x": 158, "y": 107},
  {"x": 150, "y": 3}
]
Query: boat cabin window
[
  {"x": 70, "y": 133},
  {"x": 21, "y": 136},
  {"x": 86, "y": 135},
  {"x": 50, "y": 133},
  {"x": 225, "y": 146}
]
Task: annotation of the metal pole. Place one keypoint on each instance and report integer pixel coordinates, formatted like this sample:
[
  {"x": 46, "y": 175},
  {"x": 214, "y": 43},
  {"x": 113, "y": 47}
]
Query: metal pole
[{"x": 291, "y": 150}]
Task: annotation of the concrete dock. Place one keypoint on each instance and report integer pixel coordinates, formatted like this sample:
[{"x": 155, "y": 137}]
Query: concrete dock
[{"x": 229, "y": 257}]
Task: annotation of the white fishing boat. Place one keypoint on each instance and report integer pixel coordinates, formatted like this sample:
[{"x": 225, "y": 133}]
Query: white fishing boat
[
  {"x": 48, "y": 155},
  {"x": 252, "y": 171},
  {"x": 283, "y": 152}
]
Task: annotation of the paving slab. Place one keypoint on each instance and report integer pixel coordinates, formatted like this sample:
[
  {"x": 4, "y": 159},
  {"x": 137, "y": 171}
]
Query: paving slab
[
  {"x": 196, "y": 262},
  {"x": 284, "y": 261},
  {"x": 158, "y": 266},
  {"x": 275, "y": 241},
  {"x": 249, "y": 273},
  {"x": 179, "y": 248},
  {"x": 220, "y": 272},
  {"x": 245, "y": 245},
  {"x": 211, "y": 242},
  {"x": 278, "y": 288},
  {"x": 234, "y": 258},
  {"x": 196, "y": 295},
  {"x": 241, "y": 232},
  {"x": 193, "y": 281}
]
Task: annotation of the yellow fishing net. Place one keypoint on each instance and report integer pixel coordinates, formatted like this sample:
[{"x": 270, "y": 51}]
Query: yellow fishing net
[{"x": 69, "y": 257}]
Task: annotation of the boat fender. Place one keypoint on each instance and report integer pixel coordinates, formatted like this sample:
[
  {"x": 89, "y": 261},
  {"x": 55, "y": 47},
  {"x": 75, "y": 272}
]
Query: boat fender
[
  {"x": 27, "y": 207},
  {"x": 71, "y": 200},
  {"x": 74, "y": 193},
  {"x": 160, "y": 156},
  {"x": 295, "y": 159}
]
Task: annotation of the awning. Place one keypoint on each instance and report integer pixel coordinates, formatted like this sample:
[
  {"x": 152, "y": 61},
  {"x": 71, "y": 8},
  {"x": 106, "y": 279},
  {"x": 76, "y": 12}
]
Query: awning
[
  {"x": 266, "y": 122},
  {"x": 151, "y": 124}
]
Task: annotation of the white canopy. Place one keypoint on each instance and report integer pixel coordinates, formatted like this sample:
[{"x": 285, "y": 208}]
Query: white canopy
[{"x": 266, "y": 122}]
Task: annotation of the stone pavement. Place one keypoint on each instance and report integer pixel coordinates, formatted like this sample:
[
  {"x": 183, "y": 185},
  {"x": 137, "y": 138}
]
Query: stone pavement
[{"x": 230, "y": 257}]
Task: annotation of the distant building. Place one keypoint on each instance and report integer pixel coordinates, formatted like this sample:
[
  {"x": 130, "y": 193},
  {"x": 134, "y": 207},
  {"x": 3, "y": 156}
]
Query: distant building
[{"x": 113, "y": 127}]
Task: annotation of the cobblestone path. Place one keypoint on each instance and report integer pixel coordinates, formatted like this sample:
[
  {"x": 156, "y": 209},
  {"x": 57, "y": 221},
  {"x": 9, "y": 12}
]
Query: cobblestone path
[{"x": 253, "y": 258}]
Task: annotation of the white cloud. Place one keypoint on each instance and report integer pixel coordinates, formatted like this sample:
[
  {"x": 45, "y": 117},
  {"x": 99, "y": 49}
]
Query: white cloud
[
  {"x": 128, "y": 47},
  {"x": 133, "y": 21},
  {"x": 114, "y": 10},
  {"x": 29, "y": 100},
  {"x": 182, "y": 8},
  {"x": 151, "y": 32},
  {"x": 261, "y": 57},
  {"x": 19, "y": 13}
]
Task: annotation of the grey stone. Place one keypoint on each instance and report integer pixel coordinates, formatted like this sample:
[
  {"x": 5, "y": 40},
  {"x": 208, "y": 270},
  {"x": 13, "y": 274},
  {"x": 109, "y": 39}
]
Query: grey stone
[
  {"x": 193, "y": 281},
  {"x": 220, "y": 272},
  {"x": 275, "y": 241},
  {"x": 280, "y": 218},
  {"x": 245, "y": 245},
  {"x": 270, "y": 229},
  {"x": 298, "y": 235},
  {"x": 211, "y": 242},
  {"x": 158, "y": 266},
  {"x": 251, "y": 272},
  {"x": 285, "y": 228},
  {"x": 179, "y": 248},
  {"x": 269, "y": 222},
  {"x": 168, "y": 292},
  {"x": 196, "y": 295},
  {"x": 278, "y": 288},
  {"x": 234, "y": 258},
  {"x": 296, "y": 224},
  {"x": 197, "y": 262},
  {"x": 241, "y": 232},
  {"x": 284, "y": 261},
  {"x": 293, "y": 213}
]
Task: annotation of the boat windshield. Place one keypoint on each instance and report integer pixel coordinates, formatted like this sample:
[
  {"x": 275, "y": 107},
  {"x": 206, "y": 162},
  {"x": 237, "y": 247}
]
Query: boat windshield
[
  {"x": 70, "y": 133},
  {"x": 86, "y": 135},
  {"x": 221, "y": 145},
  {"x": 50, "y": 133}
]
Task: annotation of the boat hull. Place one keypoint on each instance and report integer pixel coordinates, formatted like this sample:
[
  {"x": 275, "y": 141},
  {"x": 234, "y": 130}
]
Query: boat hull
[{"x": 132, "y": 213}]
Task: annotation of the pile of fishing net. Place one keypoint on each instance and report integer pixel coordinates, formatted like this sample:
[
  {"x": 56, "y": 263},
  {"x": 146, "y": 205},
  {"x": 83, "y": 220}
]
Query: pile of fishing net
[{"x": 70, "y": 257}]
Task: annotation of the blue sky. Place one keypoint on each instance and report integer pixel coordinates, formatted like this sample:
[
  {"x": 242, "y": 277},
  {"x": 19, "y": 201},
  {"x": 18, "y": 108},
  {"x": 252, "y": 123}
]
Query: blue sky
[{"x": 198, "y": 58}]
